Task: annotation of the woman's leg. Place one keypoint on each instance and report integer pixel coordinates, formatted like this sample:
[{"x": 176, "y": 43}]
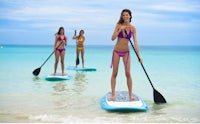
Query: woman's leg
[
  {"x": 56, "y": 61},
  {"x": 82, "y": 57},
  {"x": 128, "y": 74},
  {"x": 114, "y": 74},
  {"x": 63, "y": 62}
]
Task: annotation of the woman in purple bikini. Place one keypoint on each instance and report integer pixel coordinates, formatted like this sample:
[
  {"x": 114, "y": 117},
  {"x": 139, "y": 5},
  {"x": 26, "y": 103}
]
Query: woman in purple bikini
[
  {"x": 123, "y": 31},
  {"x": 59, "y": 48}
]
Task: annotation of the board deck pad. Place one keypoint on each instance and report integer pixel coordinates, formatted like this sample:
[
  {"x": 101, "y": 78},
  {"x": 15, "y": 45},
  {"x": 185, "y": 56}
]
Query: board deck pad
[
  {"x": 122, "y": 102},
  {"x": 122, "y": 97},
  {"x": 81, "y": 69},
  {"x": 57, "y": 77}
]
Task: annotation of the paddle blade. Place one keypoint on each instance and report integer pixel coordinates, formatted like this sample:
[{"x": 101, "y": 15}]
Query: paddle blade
[
  {"x": 77, "y": 61},
  {"x": 36, "y": 71},
  {"x": 158, "y": 98}
]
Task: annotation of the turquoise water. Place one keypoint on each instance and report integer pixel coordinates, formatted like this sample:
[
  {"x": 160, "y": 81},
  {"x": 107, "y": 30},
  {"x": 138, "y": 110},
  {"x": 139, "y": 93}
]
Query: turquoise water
[{"x": 174, "y": 72}]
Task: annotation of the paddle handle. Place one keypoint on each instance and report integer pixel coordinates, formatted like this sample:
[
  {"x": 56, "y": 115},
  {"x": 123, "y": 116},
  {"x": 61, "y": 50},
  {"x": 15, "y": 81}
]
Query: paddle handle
[
  {"x": 49, "y": 56},
  {"x": 142, "y": 64}
]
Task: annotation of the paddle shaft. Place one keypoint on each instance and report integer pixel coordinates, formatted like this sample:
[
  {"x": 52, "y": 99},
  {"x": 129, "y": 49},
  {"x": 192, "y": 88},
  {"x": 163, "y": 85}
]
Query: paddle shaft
[
  {"x": 158, "y": 98},
  {"x": 141, "y": 64},
  {"x": 47, "y": 59},
  {"x": 77, "y": 59},
  {"x": 50, "y": 56}
]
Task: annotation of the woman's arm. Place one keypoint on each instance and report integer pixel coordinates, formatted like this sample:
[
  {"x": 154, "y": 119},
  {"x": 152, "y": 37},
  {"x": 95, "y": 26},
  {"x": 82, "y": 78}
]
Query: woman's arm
[
  {"x": 65, "y": 41},
  {"x": 116, "y": 32},
  {"x": 137, "y": 48},
  {"x": 83, "y": 39},
  {"x": 55, "y": 43}
]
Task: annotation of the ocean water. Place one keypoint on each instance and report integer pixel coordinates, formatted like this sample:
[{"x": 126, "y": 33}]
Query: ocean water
[{"x": 173, "y": 70}]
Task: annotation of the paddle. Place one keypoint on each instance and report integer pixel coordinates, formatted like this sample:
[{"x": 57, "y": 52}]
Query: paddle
[
  {"x": 77, "y": 59},
  {"x": 158, "y": 98},
  {"x": 37, "y": 71}
]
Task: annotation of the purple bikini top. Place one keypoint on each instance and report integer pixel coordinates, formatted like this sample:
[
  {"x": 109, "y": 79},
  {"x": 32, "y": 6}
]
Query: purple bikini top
[
  {"x": 60, "y": 39},
  {"x": 120, "y": 35}
]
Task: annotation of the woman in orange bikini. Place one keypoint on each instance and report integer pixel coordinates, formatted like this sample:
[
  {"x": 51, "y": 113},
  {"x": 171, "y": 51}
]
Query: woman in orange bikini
[
  {"x": 80, "y": 39},
  {"x": 123, "y": 31},
  {"x": 59, "y": 48}
]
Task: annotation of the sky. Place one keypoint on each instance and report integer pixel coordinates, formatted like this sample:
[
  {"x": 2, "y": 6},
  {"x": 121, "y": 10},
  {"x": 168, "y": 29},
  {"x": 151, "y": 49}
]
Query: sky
[{"x": 157, "y": 22}]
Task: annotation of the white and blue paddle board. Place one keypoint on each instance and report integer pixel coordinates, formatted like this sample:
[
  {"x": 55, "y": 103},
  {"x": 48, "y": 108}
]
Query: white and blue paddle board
[
  {"x": 57, "y": 77},
  {"x": 81, "y": 69},
  {"x": 122, "y": 102}
]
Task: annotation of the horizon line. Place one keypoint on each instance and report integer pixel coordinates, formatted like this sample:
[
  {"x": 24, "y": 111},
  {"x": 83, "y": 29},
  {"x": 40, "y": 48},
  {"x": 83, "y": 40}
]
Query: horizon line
[{"x": 29, "y": 45}]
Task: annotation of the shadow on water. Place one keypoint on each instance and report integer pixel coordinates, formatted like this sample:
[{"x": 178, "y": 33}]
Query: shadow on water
[
  {"x": 158, "y": 109},
  {"x": 126, "y": 111},
  {"x": 59, "y": 87},
  {"x": 36, "y": 78},
  {"x": 37, "y": 82},
  {"x": 69, "y": 91},
  {"x": 80, "y": 77},
  {"x": 67, "y": 95},
  {"x": 41, "y": 83},
  {"x": 80, "y": 82}
]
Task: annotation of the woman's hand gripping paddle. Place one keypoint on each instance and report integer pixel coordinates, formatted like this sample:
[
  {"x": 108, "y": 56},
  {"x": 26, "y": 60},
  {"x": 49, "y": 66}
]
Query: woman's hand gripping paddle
[
  {"x": 158, "y": 98},
  {"x": 37, "y": 71}
]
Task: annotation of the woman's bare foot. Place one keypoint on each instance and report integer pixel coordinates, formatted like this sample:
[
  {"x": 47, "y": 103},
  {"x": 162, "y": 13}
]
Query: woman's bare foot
[
  {"x": 131, "y": 98},
  {"x": 112, "y": 98},
  {"x": 53, "y": 74},
  {"x": 63, "y": 74}
]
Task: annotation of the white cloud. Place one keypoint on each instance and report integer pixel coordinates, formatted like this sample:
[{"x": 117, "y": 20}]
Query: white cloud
[
  {"x": 43, "y": 14},
  {"x": 96, "y": 16},
  {"x": 11, "y": 30},
  {"x": 145, "y": 19},
  {"x": 177, "y": 6}
]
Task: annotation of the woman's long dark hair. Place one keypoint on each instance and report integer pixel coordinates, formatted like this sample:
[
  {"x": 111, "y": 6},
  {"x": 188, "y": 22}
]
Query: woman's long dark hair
[
  {"x": 80, "y": 33},
  {"x": 121, "y": 21},
  {"x": 58, "y": 33}
]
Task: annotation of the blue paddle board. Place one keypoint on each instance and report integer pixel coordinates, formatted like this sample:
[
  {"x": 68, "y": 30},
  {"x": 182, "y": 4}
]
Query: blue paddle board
[
  {"x": 122, "y": 102},
  {"x": 57, "y": 77},
  {"x": 80, "y": 69}
]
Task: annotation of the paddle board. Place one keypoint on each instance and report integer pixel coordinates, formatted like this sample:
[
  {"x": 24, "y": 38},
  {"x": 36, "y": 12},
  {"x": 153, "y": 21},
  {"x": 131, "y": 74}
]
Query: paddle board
[
  {"x": 80, "y": 69},
  {"x": 57, "y": 77},
  {"x": 122, "y": 102}
]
